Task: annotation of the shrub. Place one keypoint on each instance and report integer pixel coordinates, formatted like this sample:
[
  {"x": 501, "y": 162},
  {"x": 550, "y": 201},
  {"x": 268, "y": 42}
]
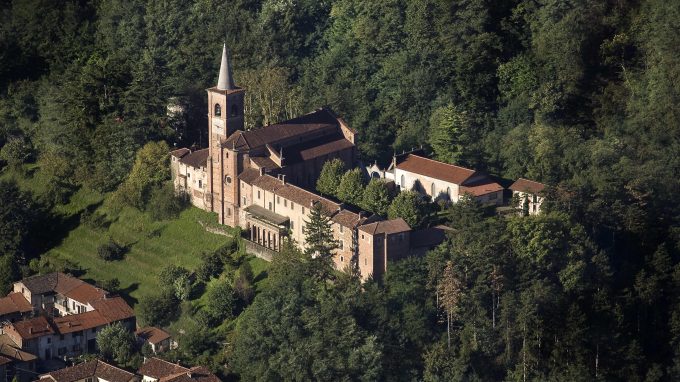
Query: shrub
[
  {"x": 94, "y": 220},
  {"x": 165, "y": 204},
  {"x": 111, "y": 251}
]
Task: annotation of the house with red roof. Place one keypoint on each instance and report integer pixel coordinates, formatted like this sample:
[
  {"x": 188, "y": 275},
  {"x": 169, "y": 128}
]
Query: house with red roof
[{"x": 529, "y": 196}]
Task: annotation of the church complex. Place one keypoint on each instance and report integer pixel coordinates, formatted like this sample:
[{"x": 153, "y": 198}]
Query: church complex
[{"x": 260, "y": 180}]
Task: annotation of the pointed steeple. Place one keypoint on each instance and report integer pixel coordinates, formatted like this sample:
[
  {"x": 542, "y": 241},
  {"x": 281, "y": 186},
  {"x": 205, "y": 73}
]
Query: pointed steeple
[{"x": 226, "y": 80}]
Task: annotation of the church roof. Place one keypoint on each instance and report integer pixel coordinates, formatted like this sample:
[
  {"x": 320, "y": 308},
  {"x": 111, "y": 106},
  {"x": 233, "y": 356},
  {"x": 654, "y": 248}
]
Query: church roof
[
  {"x": 296, "y": 127},
  {"x": 196, "y": 159}
]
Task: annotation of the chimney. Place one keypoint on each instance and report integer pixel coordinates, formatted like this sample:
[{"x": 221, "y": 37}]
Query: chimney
[{"x": 262, "y": 169}]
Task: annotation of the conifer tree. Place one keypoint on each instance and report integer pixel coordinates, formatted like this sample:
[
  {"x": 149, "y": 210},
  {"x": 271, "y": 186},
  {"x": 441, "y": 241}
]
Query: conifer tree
[{"x": 319, "y": 234}]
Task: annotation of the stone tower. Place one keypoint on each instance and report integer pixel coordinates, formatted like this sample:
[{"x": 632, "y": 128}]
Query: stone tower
[{"x": 225, "y": 116}]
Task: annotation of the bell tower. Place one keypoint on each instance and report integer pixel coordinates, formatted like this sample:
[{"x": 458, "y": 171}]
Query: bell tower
[{"x": 225, "y": 116}]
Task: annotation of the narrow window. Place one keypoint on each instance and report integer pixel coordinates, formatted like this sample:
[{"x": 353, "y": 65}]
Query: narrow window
[
  {"x": 278, "y": 200},
  {"x": 200, "y": 183},
  {"x": 244, "y": 200},
  {"x": 258, "y": 194},
  {"x": 218, "y": 110},
  {"x": 270, "y": 206},
  {"x": 433, "y": 190},
  {"x": 292, "y": 225},
  {"x": 403, "y": 181},
  {"x": 285, "y": 202},
  {"x": 292, "y": 205},
  {"x": 342, "y": 259},
  {"x": 303, "y": 210}
]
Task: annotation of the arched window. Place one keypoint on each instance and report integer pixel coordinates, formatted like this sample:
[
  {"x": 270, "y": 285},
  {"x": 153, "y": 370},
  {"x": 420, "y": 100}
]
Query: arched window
[
  {"x": 218, "y": 110},
  {"x": 433, "y": 190},
  {"x": 403, "y": 181},
  {"x": 227, "y": 179},
  {"x": 234, "y": 110}
]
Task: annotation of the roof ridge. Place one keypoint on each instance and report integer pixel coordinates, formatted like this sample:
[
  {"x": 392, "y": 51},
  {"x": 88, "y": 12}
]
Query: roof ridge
[{"x": 438, "y": 161}]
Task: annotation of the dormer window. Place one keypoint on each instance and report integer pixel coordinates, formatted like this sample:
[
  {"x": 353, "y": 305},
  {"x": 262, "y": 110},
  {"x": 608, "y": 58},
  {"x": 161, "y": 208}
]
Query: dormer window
[{"x": 218, "y": 110}]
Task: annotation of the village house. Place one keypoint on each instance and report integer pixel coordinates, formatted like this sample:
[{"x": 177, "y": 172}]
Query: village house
[
  {"x": 155, "y": 370},
  {"x": 190, "y": 174},
  {"x": 529, "y": 196},
  {"x": 69, "y": 314},
  {"x": 158, "y": 339},
  {"x": 15, "y": 362},
  {"x": 14, "y": 307},
  {"x": 90, "y": 371}
]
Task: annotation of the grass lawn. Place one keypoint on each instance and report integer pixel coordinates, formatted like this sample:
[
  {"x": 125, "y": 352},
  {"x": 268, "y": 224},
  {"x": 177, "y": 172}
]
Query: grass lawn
[{"x": 151, "y": 246}]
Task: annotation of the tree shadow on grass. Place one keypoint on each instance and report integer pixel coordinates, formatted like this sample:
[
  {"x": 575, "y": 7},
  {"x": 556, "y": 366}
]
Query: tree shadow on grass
[
  {"x": 261, "y": 276},
  {"x": 125, "y": 294},
  {"x": 52, "y": 229}
]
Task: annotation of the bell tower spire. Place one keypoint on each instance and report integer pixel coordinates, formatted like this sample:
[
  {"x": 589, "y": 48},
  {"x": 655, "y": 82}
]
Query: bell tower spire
[{"x": 226, "y": 79}]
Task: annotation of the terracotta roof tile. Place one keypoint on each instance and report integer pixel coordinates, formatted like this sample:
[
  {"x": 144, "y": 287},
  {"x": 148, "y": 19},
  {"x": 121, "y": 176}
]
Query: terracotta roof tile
[
  {"x": 195, "y": 374},
  {"x": 249, "y": 175},
  {"x": 196, "y": 159},
  {"x": 33, "y": 328},
  {"x": 434, "y": 169},
  {"x": 113, "y": 309},
  {"x": 14, "y": 303},
  {"x": 300, "y": 126},
  {"x": 386, "y": 226},
  {"x": 89, "y": 369},
  {"x": 525, "y": 185},
  {"x": 293, "y": 193},
  {"x": 179, "y": 153},
  {"x": 77, "y": 322},
  {"x": 85, "y": 293},
  {"x": 264, "y": 162},
  {"x": 10, "y": 350},
  {"x": 158, "y": 368},
  {"x": 480, "y": 188},
  {"x": 152, "y": 334},
  {"x": 348, "y": 218},
  {"x": 315, "y": 148}
]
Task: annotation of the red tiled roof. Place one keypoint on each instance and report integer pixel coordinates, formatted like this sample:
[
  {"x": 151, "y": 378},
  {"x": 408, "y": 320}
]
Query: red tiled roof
[
  {"x": 179, "y": 153},
  {"x": 152, "y": 334},
  {"x": 300, "y": 126},
  {"x": 386, "y": 226},
  {"x": 315, "y": 148},
  {"x": 14, "y": 303},
  {"x": 113, "y": 309},
  {"x": 195, "y": 374},
  {"x": 435, "y": 169},
  {"x": 9, "y": 349},
  {"x": 481, "y": 188},
  {"x": 82, "y": 321},
  {"x": 198, "y": 158},
  {"x": 85, "y": 293},
  {"x": 93, "y": 368},
  {"x": 525, "y": 185},
  {"x": 157, "y": 368},
  {"x": 264, "y": 162},
  {"x": 348, "y": 218},
  {"x": 292, "y": 193},
  {"x": 33, "y": 328}
]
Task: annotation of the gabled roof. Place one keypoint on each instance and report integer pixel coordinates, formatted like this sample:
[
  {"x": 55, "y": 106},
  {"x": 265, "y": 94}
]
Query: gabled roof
[
  {"x": 113, "y": 309},
  {"x": 33, "y": 328},
  {"x": 349, "y": 219},
  {"x": 10, "y": 350},
  {"x": 434, "y": 169},
  {"x": 483, "y": 187},
  {"x": 157, "y": 368},
  {"x": 526, "y": 185},
  {"x": 89, "y": 369},
  {"x": 14, "y": 303},
  {"x": 179, "y": 153},
  {"x": 152, "y": 334},
  {"x": 196, "y": 159},
  {"x": 63, "y": 284},
  {"x": 77, "y": 322},
  {"x": 386, "y": 226},
  {"x": 296, "y": 127},
  {"x": 195, "y": 374},
  {"x": 286, "y": 190}
]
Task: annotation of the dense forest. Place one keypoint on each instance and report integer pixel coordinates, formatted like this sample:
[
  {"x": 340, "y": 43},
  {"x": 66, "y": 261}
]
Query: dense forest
[{"x": 582, "y": 95}]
